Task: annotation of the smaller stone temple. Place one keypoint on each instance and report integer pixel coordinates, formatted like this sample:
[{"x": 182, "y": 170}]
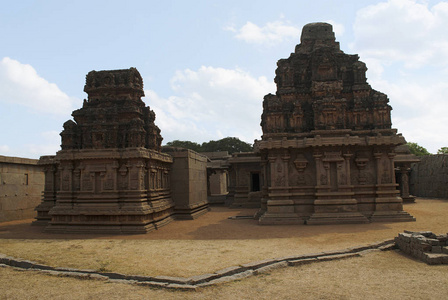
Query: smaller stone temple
[
  {"x": 110, "y": 175},
  {"x": 327, "y": 148}
]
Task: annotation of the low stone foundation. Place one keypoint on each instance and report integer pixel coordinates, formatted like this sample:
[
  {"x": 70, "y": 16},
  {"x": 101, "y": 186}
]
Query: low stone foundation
[
  {"x": 195, "y": 282},
  {"x": 425, "y": 246}
]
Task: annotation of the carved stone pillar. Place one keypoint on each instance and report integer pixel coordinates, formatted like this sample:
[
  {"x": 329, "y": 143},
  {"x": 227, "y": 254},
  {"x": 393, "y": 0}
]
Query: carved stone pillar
[
  {"x": 347, "y": 157},
  {"x": 319, "y": 167},
  {"x": 379, "y": 169}
]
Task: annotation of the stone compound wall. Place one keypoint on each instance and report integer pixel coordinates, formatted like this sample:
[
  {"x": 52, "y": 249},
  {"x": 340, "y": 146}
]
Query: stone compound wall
[
  {"x": 188, "y": 183},
  {"x": 425, "y": 246},
  {"x": 21, "y": 186},
  {"x": 218, "y": 183},
  {"x": 429, "y": 178}
]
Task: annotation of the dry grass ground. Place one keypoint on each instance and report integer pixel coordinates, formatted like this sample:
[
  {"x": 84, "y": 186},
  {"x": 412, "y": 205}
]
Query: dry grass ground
[
  {"x": 213, "y": 242},
  {"x": 378, "y": 275}
]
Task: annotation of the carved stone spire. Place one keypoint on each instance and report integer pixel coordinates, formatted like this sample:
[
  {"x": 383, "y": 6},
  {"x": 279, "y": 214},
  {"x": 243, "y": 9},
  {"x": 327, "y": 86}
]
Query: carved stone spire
[
  {"x": 319, "y": 87},
  {"x": 113, "y": 116}
]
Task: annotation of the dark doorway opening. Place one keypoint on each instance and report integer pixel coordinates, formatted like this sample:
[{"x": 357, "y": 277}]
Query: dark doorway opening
[{"x": 255, "y": 180}]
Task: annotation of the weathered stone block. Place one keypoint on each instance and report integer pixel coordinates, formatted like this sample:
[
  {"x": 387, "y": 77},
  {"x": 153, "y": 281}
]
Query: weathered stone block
[
  {"x": 301, "y": 261},
  {"x": 269, "y": 268},
  {"x": 259, "y": 264},
  {"x": 201, "y": 278},
  {"x": 434, "y": 258},
  {"x": 181, "y": 287},
  {"x": 436, "y": 249},
  {"x": 433, "y": 242},
  {"x": 229, "y": 271}
]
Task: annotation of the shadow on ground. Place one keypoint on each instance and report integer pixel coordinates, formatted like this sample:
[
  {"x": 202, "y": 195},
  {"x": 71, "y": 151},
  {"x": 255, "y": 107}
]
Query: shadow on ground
[{"x": 216, "y": 225}]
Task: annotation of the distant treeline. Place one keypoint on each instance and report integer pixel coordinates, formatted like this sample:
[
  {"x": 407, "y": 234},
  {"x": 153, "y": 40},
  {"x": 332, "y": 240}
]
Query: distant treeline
[{"x": 230, "y": 144}]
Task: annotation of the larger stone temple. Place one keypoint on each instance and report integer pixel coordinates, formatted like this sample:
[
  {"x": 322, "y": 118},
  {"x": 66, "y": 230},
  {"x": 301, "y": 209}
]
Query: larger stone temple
[{"x": 327, "y": 148}]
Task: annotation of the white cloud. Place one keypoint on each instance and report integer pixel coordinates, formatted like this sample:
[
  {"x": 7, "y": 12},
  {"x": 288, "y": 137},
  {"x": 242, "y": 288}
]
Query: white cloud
[
  {"x": 20, "y": 84},
  {"x": 50, "y": 143},
  {"x": 338, "y": 28},
  {"x": 211, "y": 103},
  {"x": 4, "y": 149},
  {"x": 405, "y": 46},
  {"x": 419, "y": 111},
  {"x": 272, "y": 32},
  {"x": 403, "y": 30}
]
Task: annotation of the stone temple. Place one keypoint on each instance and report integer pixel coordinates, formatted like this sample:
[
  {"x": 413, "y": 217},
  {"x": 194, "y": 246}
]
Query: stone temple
[
  {"x": 110, "y": 175},
  {"x": 328, "y": 154},
  {"x": 327, "y": 148}
]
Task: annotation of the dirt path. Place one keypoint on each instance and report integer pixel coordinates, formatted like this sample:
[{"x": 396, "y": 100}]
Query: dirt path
[
  {"x": 214, "y": 242},
  {"x": 215, "y": 225},
  {"x": 210, "y": 243}
]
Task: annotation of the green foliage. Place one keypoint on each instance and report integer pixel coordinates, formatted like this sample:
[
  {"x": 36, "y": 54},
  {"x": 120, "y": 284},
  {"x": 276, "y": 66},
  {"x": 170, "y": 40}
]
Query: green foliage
[
  {"x": 230, "y": 144},
  {"x": 185, "y": 144},
  {"x": 443, "y": 150},
  {"x": 417, "y": 150}
]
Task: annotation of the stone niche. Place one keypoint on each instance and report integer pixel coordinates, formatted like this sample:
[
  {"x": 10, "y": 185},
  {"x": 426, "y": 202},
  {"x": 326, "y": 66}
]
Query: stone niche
[
  {"x": 327, "y": 147},
  {"x": 246, "y": 180},
  {"x": 218, "y": 176},
  {"x": 110, "y": 176}
]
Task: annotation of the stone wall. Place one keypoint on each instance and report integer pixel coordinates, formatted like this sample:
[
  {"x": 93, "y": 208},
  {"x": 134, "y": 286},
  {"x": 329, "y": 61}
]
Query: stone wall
[
  {"x": 218, "y": 183},
  {"x": 188, "y": 183},
  {"x": 429, "y": 178},
  {"x": 425, "y": 246},
  {"x": 246, "y": 180},
  {"x": 21, "y": 186}
]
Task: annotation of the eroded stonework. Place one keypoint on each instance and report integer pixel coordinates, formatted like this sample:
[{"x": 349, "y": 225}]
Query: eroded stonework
[
  {"x": 110, "y": 175},
  {"x": 114, "y": 116},
  {"x": 327, "y": 142}
]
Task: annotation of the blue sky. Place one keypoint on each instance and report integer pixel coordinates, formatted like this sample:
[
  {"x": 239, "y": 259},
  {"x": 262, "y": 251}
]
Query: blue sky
[{"x": 206, "y": 65}]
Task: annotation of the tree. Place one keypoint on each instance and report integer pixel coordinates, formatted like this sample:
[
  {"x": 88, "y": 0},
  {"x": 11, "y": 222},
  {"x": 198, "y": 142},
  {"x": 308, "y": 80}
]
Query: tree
[
  {"x": 443, "y": 150},
  {"x": 417, "y": 150},
  {"x": 185, "y": 144},
  {"x": 230, "y": 144}
]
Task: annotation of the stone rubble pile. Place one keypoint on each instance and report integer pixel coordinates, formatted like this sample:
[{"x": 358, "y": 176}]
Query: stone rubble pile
[{"x": 425, "y": 246}]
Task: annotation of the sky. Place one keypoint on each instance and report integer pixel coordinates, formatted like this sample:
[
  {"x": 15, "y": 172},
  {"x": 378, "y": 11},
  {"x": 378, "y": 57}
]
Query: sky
[{"x": 206, "y": 65}]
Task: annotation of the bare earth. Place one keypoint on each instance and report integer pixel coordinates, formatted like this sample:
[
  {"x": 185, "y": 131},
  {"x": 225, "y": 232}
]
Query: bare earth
[{"x": 213, "y": 242}]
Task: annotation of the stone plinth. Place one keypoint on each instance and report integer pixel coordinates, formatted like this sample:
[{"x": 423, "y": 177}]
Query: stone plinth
[
  {"x": 327, "y": 148},
  {"x": 110, "y": 191},
  {"x": 188, "y": 183}
]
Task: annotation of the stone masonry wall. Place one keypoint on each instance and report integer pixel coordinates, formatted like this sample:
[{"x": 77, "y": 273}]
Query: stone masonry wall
[
  {"x": 429, "y": 178},
  {"x": 188, "y": 182},
  {"x": 425, "y": 246},
  {"x": 21, "y": 186}
]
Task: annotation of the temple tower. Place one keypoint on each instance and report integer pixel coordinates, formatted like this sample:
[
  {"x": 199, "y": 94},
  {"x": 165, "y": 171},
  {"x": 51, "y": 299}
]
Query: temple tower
[
  {"x": 110, "y": 175},
  {"x": 327, "y": 145}
]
